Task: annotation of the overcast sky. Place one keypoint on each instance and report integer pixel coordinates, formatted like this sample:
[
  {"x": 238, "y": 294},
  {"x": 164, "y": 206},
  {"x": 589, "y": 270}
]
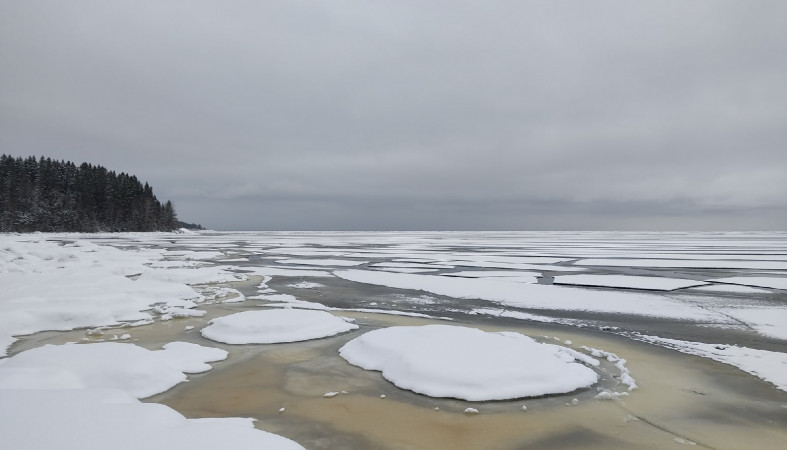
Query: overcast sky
[{"x": 413, "y": 114}]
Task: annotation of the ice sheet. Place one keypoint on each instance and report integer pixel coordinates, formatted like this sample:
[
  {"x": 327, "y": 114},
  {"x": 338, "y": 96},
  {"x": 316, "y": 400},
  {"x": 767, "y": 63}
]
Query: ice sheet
[
  {"x": 537, "y": 296},
  {"x": 766, "y": 282},
  {"x": 323, "y": 262},
  {"x": 731, "y": 289},
  {"x": 770, "y": 322},
  {"x": 627, "y": 281},
  {"x": 688, "y": 263}
]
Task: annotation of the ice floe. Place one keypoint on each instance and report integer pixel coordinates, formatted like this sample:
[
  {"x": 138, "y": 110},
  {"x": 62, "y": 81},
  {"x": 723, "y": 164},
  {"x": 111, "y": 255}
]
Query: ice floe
[
  {"x": 275, "y": 326},
  {"x": 537, "y": 296},
  {"x": 767, "y": 365},
  {"x": 410, "y": 265},
  {"x": 729, "y": 289},
  {"x": 767, "y": 321},
  {"x": 493, "y": 274},
  {"x": 53, "y": 286},
  {"x": 467, "y": 363},
  {"x": 685, "y": 263},
  {"x": 766, "y": 282},
  {"x": 322, "y": 262},
  {"x": 127, "y": 367},
  {"x": 97, "y": 419},
  {"x": 628, "y": 281}
]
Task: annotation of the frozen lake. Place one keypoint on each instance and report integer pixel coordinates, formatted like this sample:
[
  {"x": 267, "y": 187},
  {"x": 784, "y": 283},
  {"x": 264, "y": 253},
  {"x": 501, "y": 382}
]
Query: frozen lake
[{"x": 404, "y": 340}]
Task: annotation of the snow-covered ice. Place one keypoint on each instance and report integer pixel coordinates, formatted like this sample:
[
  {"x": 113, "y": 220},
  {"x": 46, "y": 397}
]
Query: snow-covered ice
[
  {"x": 283, "y": 272},
  {"x": 688, "y": 263},
  {"x": 128, "y": 367},
  {"x": 467, "y": 363},
  {"x": 627, "y": 281},
  {"x": 537, "y": 296},
  {"x": 275, "y": 326},
  {"x": 493, "y": 274},
  {"x": 191, "y": 358},
  {"x": 730, "y": 289},
  {"x": 63, "y": 282},
  {"x": 410, "y": 265},
  {"x": 287, "y": 301},
  {"x": 767, "y": 365},
  {"x": 97, "y": 419},
  {"x": 52, "y": 286},
  {"x": 767, "y": 321},
  {"x": 766, "y": 282},
  {"x": 624, "y": 377},
  {"x": 322, "y": 262}
]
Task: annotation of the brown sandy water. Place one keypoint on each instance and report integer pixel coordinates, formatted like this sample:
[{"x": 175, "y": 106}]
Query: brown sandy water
[{"x": 682, "y": 401}]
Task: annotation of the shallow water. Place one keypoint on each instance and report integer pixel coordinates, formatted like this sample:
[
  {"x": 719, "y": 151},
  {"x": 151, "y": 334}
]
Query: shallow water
[{"x": 681, "y": 400}]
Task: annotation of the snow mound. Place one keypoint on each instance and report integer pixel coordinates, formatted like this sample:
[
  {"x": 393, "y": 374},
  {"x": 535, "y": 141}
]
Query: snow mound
[
  {"x": 106, "y": 365},
  {"x": 467, "y": 363},
  {"x": 275, "y": 326}
]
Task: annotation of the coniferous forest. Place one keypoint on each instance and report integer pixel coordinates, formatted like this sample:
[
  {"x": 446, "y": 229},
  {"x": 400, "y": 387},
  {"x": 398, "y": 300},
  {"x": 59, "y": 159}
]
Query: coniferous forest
[{"x": 49, "y": 195}]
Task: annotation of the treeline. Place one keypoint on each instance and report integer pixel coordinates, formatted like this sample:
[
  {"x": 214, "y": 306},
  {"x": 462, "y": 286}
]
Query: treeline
[{"x": 49, "y": 195}]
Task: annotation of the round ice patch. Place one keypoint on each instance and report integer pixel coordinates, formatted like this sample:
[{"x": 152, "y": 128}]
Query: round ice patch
[
  {"x": 467, "y": 363},
  {"x": 275, "y": 326}
]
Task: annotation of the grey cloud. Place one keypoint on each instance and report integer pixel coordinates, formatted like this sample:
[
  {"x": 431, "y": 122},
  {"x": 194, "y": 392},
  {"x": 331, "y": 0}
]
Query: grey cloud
[{"x": 408, "y": 115}]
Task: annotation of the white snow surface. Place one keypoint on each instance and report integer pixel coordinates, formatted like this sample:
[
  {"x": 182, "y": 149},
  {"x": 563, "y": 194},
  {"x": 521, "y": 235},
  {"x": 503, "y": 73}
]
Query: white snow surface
[
  {"x": 692, "y": 263},
  {"x": 275, "y": 326},
  {"x": 191, "y": 358},
  {"x": 52, "y": 286},
  {"x": 766, "y": 282},
  {"x": 406, "y": 265},
  {"x": 467, "y": 363},
  {"x": 628, "y": 281},
  {"x": 97, "y": 419},
  {"x": 730, "y": 289},
  {"x": 322, "y": 262},
  {"x": 537, "y": 296},
  {"x": 770, "y": 322},
  {"x": 494, "y": 274},
  {"x": 127, "y": 367}
]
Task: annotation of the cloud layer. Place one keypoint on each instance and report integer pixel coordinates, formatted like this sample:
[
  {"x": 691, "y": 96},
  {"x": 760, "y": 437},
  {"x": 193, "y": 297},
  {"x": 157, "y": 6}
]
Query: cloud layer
[{"x": 414, "y": 115}]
